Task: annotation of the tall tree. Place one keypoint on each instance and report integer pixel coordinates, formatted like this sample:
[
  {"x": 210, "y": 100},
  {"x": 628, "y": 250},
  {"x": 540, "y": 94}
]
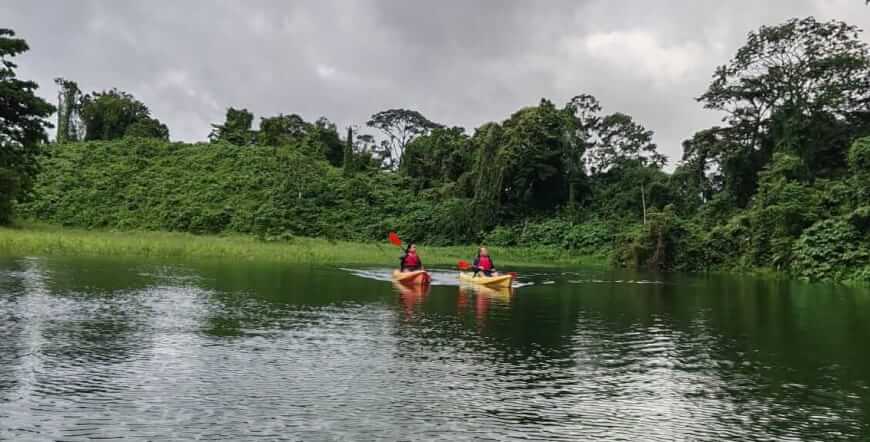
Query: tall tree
[
  {"x": 441, "y": 156},
  {"x": 535, "y": 139},
  {"x": 69, "y": 125},
  {"x": 599, "y": 142},
  {"x": 584, "y": 111},
  {"x": 792, "y": 87},
  {"x": 489, "y": 173},
  {"x": 698, "y": 169},
  {"x": 22, "y": 126},
  {"x": 282, "y": 130},
  {"x": 148, "y": 128},
  {"x": 236, "y": 128},
  {"x": 347, "y": 161},
  {"x": 400, "y": 126},
  {"x": 323, "y": 141},
  {"x": 596, "y": 143},
  {"x": 108, "y": 115},
  {"x": 629, "y": 189},
  {"x": 618, "y": 139}
]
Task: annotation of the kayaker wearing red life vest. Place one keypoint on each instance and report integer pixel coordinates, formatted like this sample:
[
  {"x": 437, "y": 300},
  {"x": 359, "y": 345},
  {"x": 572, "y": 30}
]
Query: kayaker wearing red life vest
[
  {"x": 410, "y": 261},
  {"x": 483, "y": 263}
]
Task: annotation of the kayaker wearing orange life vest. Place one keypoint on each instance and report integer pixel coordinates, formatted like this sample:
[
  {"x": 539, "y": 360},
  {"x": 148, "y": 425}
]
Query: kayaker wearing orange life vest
[
  {"x": 483, "y": 263},
  {"x": 410, "y": 261}
]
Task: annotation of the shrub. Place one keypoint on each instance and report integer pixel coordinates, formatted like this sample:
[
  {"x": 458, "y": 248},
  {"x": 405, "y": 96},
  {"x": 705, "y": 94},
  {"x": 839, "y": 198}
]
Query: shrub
[{"x": 832, "y": 250}]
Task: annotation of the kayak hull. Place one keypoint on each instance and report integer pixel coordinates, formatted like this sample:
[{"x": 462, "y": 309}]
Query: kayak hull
[
  {"x": 487, "y": 291},
  {"x": 501, "y": 281},
  {"x": 420, "y": 277}
]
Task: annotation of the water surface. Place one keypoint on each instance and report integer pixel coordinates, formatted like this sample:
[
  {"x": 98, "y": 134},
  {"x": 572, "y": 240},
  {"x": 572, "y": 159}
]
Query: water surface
[{"x": 111, "y": 348}]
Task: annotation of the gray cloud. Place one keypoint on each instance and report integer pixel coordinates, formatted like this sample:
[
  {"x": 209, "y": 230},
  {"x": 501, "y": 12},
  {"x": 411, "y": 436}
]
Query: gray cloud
[{"x": 458, "y": 62}]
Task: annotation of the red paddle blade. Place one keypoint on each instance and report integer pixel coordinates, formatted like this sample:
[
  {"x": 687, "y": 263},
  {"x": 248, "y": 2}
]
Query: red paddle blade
[
  {"x": 513, "y": 275},
  {"x": 463, "y": 265},
  {"x": 394, "y": 238}
]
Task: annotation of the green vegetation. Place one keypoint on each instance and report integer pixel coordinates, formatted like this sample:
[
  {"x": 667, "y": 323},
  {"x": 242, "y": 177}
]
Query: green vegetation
[
  {"x": 782, "y": 184},
  {"x": 22, "y": 127},
  {"x": 50, "y": 240}
]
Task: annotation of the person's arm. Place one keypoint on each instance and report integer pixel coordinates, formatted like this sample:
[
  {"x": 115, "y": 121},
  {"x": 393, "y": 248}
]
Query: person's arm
[{"x": 402, "y": 263}]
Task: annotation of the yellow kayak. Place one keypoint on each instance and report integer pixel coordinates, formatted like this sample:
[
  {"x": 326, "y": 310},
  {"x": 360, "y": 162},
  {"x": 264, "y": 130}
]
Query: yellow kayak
[
  {"x": 411, "y": 278},
  {"x": 489, "y": 281},
  {"x": 489, "y": 291}
]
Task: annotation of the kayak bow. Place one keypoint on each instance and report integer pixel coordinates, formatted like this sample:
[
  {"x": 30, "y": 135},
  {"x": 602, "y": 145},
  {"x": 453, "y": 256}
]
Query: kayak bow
[{"x": 412, "y": 278}]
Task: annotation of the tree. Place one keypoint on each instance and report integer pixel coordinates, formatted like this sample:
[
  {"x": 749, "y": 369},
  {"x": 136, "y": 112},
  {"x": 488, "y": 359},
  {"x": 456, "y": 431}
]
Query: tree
[
  {"x": 323, "y": 142},
  {"x": 441, "y": 156},
  {"x": 629, "y": 189},
  {"x": 618, "y": 139},
  {"x": 148, "y": 128},
  {"x": 108, "y": 115},
  {"x": 347, "y": 160},
  {"x": 363, "y": 150},
  {"x": 781, "y": 209},
  {"x": 400, "y": 126},
  {"x": 702, "y": 154},
  {"x": 793, "y": 87},
  {"x": 69, "y": 124},
  {"x": 859, "y": 165},
  {"x": 236, "y": 128},
  {"x": 282, "y": 130},
  {"x": 535, "y": 141},
  {"x": 488, "y": 173},
  {"x": 584, "y": 110},
  {"x": 22, "y": 126}
]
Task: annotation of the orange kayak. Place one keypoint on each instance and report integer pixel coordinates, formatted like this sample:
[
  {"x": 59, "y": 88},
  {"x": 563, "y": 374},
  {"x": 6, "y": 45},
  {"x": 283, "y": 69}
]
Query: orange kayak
[{"x": 412, "y": 278}]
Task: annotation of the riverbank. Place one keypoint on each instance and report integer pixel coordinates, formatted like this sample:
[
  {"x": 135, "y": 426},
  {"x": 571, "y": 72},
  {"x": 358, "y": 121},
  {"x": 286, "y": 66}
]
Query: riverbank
[{"x": 49, "y": 240}]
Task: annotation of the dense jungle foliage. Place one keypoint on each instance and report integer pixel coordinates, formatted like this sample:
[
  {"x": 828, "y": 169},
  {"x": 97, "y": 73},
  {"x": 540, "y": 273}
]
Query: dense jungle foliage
[{"x": 783, "y": 183}]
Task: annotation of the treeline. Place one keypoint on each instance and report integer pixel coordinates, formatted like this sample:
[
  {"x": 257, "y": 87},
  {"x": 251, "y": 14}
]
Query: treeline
[{"x": 782, "y": 183}]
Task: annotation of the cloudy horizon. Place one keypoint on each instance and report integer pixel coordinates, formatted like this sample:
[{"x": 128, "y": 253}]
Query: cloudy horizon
[{"x": 458, "y": 63}]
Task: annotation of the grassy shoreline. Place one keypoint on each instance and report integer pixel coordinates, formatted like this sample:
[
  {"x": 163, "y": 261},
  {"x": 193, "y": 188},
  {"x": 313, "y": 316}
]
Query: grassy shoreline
[{"x": 49, "y": 240}]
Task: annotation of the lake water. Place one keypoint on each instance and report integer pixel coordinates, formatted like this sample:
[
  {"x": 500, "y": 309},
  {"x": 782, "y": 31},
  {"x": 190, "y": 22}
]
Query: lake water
[{"x": 158, "y": 351}]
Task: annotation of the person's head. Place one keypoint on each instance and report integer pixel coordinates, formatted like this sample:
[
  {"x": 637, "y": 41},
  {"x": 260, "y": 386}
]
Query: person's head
[
  {"x": 412, "y": 248},
  {"x": 482, "y": 251}
]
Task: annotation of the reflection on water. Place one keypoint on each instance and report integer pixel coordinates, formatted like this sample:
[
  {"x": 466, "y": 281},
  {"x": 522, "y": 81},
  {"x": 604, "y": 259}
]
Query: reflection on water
[{"x": 92, "y": 348}]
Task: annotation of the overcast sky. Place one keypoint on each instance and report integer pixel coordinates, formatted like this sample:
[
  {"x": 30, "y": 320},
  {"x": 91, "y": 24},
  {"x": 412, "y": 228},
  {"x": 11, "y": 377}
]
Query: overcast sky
[{"x": 458, "y": 62}]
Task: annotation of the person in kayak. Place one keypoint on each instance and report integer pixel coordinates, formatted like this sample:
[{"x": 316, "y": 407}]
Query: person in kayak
[
  {"x": 483, "y": 263},
  {"x": 410, "y": 261}
]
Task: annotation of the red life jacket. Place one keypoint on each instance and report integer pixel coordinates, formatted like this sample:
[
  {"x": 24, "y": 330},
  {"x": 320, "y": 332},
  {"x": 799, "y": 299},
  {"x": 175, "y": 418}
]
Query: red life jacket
[
  {"x": 485, "y": 263},
  {"x": 412, "y": 261}
]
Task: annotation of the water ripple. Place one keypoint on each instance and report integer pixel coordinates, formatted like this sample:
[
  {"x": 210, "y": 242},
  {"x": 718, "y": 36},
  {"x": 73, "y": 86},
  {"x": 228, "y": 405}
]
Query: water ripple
[{"x": 178, "y": 359}]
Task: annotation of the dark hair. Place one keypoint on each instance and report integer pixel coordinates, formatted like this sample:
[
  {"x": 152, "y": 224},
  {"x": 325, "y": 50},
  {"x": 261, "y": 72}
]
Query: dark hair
[{"x": 408, "y": 247}]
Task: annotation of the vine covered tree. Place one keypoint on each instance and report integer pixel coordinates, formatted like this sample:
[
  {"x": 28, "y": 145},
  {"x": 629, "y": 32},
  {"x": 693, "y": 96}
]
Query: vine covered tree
[
  {"x": 114, "y": 114},
  {"x": 69, "y": 124},
  {"x": 236, "y": 128},
  {"x": 282, "y": 130}
]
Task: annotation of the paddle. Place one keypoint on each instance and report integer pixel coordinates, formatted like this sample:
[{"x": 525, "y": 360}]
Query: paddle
[{"x": 395, "y": 240}]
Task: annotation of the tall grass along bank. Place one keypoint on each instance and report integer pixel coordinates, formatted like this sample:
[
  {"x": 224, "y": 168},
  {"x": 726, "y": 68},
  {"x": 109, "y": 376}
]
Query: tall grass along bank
[{"x": 50, "y": 240}]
